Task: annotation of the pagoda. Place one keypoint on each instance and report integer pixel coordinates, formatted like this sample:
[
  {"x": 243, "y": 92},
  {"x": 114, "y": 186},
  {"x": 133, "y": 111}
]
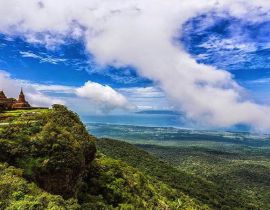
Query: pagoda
[
  {"x": 12, "y": 103},
  {"x": 21, "y": 102}
]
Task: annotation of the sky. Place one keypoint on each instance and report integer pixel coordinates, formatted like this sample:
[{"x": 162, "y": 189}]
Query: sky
[{"x": 208, "y": 60}]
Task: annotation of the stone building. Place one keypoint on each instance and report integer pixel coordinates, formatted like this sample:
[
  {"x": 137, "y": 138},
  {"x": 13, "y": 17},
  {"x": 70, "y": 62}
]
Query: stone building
[{"x": 12, "y": 103}]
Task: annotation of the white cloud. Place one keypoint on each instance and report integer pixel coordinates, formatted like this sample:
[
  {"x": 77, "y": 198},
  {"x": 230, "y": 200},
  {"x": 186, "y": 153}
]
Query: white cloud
[
  {"x": 54, "y": 88},
  {"x": 141, "y": 33},
  {"x": 147, "y": 97},
  {"x": 259, "y": 81},
  {"x": 91, "y": 97},
  {"x": 143, "y": 92},
  {"x": 42, "y": 59},
  {"x": 103, "y": 96},
  {"x": 228, "y": 44}
]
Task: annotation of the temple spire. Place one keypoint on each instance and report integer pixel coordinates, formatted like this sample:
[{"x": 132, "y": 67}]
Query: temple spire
[
  {"x": 2, "y": 95},
  {"x": 21, "y": 97}
]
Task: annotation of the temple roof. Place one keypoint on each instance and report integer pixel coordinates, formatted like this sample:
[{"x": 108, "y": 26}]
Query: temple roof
[
  {"x": 11, "y": 103},
  {"x": 2, "y": 95}
]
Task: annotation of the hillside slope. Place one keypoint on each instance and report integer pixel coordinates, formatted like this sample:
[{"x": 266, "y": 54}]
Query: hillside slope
[
  {"x": 48, "y": 161},
  {"x": 243, "y": 169},
  {"x": 202, "y": 189}
]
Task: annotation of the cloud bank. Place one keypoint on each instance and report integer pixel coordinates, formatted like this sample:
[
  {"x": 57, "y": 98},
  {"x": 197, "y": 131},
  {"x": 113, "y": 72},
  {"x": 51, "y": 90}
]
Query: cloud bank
[
  {"x": 103, "y": 96},
  {"x": 142, "y": 33}
]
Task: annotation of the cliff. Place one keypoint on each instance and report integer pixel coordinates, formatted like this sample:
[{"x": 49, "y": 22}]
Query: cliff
[{"x": 49, "y": 161}]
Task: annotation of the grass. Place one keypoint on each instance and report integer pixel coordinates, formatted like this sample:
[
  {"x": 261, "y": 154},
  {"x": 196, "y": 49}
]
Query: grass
[{"x": 12, "y": 116}]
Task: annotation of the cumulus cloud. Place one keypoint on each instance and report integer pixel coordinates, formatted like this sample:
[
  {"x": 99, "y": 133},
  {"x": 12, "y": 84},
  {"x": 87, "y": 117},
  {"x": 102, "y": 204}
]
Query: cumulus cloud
[
  {"x": 103, "y": 96},
  {"x": 36, "y": 98},
  {"x": 141, "y": 33},
  {"x": 88, "y": 97}
]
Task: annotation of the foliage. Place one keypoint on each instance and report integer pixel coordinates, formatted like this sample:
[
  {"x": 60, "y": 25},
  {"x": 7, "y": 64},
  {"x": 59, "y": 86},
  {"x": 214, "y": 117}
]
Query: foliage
[
  {"x": 217, "y": 196},
  {"x": 121, "y": 186},
  {"x": 53, "y": 147},
  {"x": 17, "y": 193},
  {"x": 54, "y": 150},
  {"x": 244, "y": 170},
  {"x": 48, "y": 161}
]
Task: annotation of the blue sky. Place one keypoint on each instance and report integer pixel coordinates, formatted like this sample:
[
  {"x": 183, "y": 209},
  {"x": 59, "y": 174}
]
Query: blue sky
[
  {"x": 66, "y": 64},
  {"x": 122, "y": 57},
  {"x": 225, "y": 42},
  {"x": 70, "y": 65},
  {"x": 240, "y": 47}
]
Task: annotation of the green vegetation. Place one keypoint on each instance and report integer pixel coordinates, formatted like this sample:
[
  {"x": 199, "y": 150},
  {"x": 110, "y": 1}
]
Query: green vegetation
[
  {"x": 52, "y": 146},
  {"x": 48, "y": 161},
  {"x": 17, "y": 193},
  {"x": 243, "y": 169},
  {"x": 116, "y": 185},
  {"x": 219, "y": 191}
]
